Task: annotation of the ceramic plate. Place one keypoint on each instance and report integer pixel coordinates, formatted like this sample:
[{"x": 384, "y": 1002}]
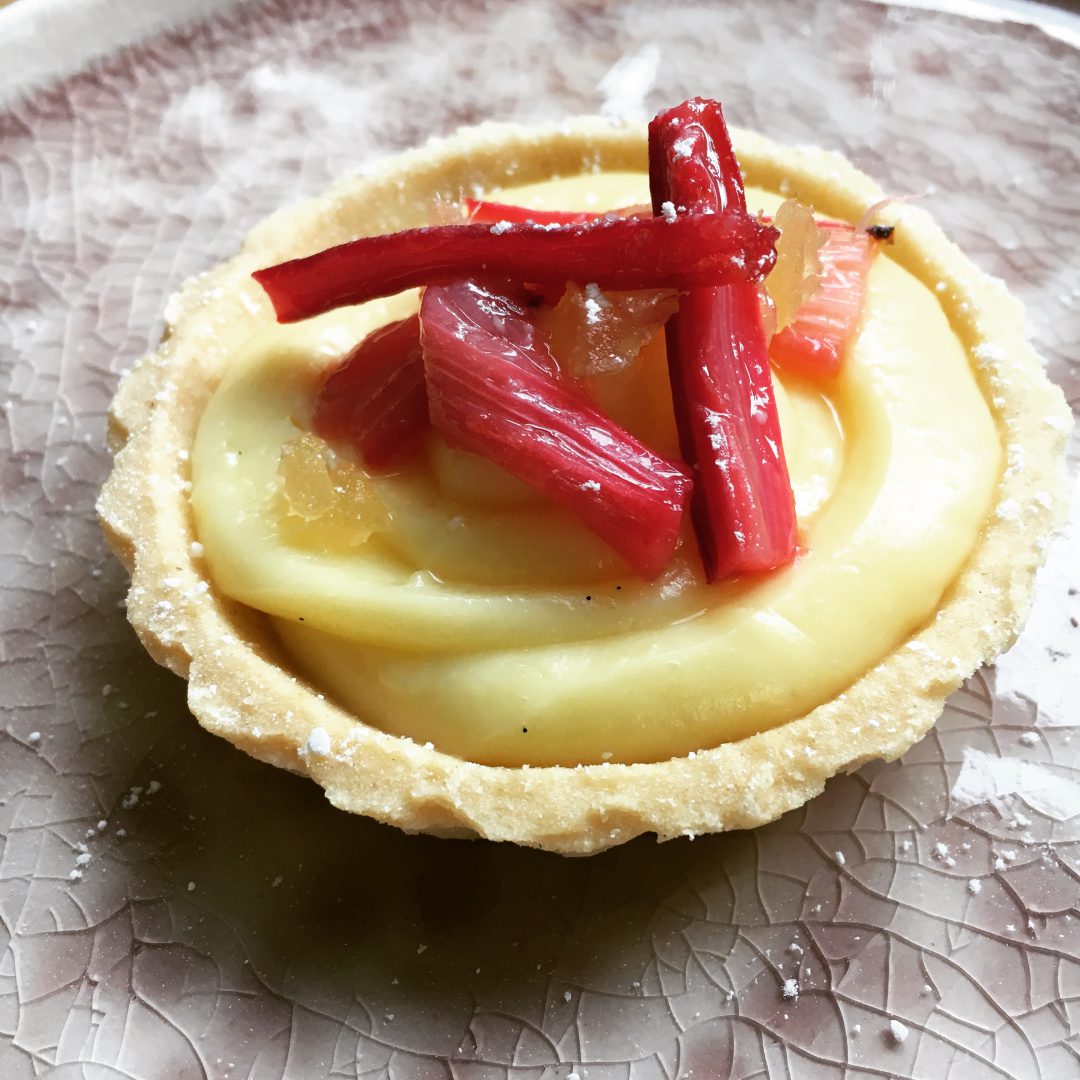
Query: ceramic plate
[{"x": 171, "y": 908}]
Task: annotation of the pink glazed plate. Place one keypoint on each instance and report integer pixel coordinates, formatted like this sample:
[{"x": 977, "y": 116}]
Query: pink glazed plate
[{"x": 170, "y": 908}]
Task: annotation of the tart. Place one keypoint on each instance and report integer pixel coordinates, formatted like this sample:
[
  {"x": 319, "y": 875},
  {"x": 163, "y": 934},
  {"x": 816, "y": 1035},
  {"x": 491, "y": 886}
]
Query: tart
[{"x": 455, "y": 655}]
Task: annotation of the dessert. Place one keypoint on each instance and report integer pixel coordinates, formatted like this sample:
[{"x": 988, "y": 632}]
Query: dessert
[{"x": 443, "y": 648}]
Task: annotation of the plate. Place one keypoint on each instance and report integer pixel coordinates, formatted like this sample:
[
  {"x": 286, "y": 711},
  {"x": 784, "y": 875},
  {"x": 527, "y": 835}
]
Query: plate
[{"x": 170, "y": 908}]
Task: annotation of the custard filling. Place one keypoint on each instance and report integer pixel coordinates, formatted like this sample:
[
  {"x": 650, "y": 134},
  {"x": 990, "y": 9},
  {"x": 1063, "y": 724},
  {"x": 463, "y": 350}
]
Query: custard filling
[{"x": 477, "y": 616}]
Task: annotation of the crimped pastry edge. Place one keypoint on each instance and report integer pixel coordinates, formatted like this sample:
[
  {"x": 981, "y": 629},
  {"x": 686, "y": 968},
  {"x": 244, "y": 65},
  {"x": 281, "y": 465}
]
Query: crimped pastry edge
[{"x": 239, "y": 683}]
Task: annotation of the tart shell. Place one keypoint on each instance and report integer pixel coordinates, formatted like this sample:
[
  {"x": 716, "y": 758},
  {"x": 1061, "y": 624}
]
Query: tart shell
[{"x": 240, "y": 685}]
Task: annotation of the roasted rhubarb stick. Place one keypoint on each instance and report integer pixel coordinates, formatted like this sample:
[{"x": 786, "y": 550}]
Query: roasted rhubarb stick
[
  {"x": 375, "y": 398},
  {"x": 616, "y": 253},
  {"x": 494, "y": 389},
  {"x": 743, "y": 509}
]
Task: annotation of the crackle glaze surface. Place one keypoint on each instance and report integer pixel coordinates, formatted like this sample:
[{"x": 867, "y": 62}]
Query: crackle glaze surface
[{"x": 171, "y": 908}]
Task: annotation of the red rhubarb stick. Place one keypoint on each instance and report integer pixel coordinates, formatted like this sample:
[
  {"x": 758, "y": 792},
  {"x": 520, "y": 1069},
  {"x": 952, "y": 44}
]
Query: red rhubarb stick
[
  {"x": 743, "y": 508},
  {"x": 616, "y": 253},
  {"x": 375, "y": 398},
  {"x": 495, "y": 390},
  {"x": 815, "y": 342}
]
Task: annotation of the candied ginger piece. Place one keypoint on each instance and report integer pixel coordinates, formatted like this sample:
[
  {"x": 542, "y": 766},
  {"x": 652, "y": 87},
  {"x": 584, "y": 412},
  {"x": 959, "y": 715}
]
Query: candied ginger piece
[
  {"x": 815, "y": 343},
  {"x": 797, "y": 273},
  {"x": 327, "y": 501},
  {"x": 594, "y": 332}
]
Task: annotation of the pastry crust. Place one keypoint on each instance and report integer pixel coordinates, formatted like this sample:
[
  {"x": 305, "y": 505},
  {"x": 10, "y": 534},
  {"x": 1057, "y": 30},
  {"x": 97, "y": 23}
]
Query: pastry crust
[{"x": 239, "y": 682}]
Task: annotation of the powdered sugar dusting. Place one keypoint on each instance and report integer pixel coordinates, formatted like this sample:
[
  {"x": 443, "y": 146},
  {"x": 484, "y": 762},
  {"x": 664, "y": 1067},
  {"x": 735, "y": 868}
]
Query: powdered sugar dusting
[
  {"x": 318, "y": 743},
  {"x": 984, "y": 777},
  {"x": 683, "y": 148}
]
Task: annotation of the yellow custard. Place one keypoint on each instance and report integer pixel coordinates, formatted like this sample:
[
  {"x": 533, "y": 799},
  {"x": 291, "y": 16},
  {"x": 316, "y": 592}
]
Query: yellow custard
[{"x": 495, "y": 626}]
